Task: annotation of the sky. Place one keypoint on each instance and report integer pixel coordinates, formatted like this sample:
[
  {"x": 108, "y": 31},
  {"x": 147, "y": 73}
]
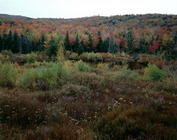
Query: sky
[{"x": 83, "y": 8}]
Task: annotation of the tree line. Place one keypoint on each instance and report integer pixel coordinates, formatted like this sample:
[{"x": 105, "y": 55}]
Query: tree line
[{"x": 127, "y": 42}]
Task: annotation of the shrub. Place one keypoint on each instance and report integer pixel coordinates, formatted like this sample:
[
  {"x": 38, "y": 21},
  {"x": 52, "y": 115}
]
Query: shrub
[
  {"x": 83, "y": 56},
  {"x": 94, "y": 57},
  {"x": 91, "y": 80},
  {"x": 52, "y": 132},
  {"x": 81, "y": 66},
  {"x": 39, "y": 79},
  {"x": 115, "y": 126},
  {"x": 31, "y": 58},
  {"x": 61, "y": 69},
  {"x": 102, "y": 66},
  {"x": 19, "y": 59},
  {"x": 107, "y": 56},
  {"x": 125, "y": 73},
  {"x": 21, "y": 110},
  {"x": 60, "y": 54},
  {"x": 135, "y": 122},
  {"x": 91, "y": 57},
  {"x": 7, "y": 53},
  {"x": 169, "y": 86},
  {"x": 73, "y": 56},
  {"x": 152, "y": 72},
  {"x": 8, "y": 75},
  {"x": 159, "y": 63},
  {"x": 80, "y": 111},
  {"x": 45, "y": 77},
  {"x": 73, "y": 89},
  {"x": 55, "y": 113}
]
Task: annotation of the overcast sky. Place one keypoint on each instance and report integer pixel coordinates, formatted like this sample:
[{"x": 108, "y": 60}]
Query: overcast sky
[{"x": 82, "y": 8}]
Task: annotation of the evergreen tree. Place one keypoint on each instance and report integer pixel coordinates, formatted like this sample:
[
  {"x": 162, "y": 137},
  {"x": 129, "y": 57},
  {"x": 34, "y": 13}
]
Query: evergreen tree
[
  {"x": 41, "y": 43},
  {"x": 174, "y": 47},
  {"x": 1, "y": 39},
  {"x": 100, "y": 42},
  {"x": 67, "y": 42},
  {"x": 77, "y": 45},
  {"x": 9, "y": 41},
  {"x": 15, "y": 43},
  {"x": 143, "y": 45},
  {"x": 52, "y": 48},
  {"x": 112, "y": 46},
  {"x": 4, "y": 42},
  {"x": 90, "y": 43},
  {"x": 130, "y": 39},
  {"x": 102, "y": 45},
  {"x": 23, "y": 47}
]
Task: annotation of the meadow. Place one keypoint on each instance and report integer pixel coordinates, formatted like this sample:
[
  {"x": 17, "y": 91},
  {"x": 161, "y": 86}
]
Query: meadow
[{"x": 86, "y": 97}]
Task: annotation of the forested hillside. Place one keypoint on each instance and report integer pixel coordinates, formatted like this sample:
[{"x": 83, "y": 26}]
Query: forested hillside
[{"x": 152, "y": 34}]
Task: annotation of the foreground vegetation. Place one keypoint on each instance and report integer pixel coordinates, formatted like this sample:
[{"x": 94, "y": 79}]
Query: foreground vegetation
[{"x": 92, "y": 96}]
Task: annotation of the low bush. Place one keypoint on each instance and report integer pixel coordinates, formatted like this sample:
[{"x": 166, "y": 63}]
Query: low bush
[
  {"x": 160, "y": 63},
  {"x": 55, "y": 114},
  {"x": 125, "y": 73},
  {"x": 82, "y": 67},
  {"x": 80, "y": 111},
  {"x": 22, "y": 111},
  {"x": 102, "y": 66},
  {"x": 62, "y": 69},
  {"x": 19, "y": 59},
  {"x": 169, "y": 86},
  {"x": 152, "y": 72},
  {"x": 54, "y": 132},
  {"x": 8, "y": 75},
  {"x": 91, "y": 57},
  {"x": 73, "y": 89},
  {"x": 31, "y": 58},
  {"x": 91, "y": 80},
  {"x": 45, "y": 77},
  {"x": 7, "y": 53},
  {"x": 135, "y": 122},
  {"x": 107, "y": 56},
  {"x": 41, "y": 78},
  {"x": 94, "y": 57},
  {"x": 73, "y": 56}
]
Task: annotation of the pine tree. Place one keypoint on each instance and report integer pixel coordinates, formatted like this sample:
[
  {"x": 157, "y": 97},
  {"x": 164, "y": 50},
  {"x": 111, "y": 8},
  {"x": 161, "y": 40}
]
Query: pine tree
[
  {"x": 41, "y": 43},
  {"x": 174, "y": 47},
  {"x": 9, "y": 42},
  {"x": 52, "y": 48},
  {"x": 90, "y": 44},
  {"x": 4, "y": 42},
  {"x": 130, "y": 39},
  {"x": 15, "y": 48},
  {"x": 1, "y": 39},
  {"x": 77, "y": 45},
  {"x": 142, "y": 46},
  {"x": 100, "y": 43},
  {"x": 67, "y": 42},
  {"x": 112, "y": 46}
]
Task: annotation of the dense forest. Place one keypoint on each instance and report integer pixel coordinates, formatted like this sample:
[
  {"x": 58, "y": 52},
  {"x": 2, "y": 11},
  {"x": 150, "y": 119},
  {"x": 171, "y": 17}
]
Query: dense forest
[{"x": 133, "y": 34}]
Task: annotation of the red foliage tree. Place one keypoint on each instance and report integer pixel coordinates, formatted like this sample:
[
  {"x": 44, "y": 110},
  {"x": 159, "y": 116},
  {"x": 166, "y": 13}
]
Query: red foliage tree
[{"x": 155, "y": 45}]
